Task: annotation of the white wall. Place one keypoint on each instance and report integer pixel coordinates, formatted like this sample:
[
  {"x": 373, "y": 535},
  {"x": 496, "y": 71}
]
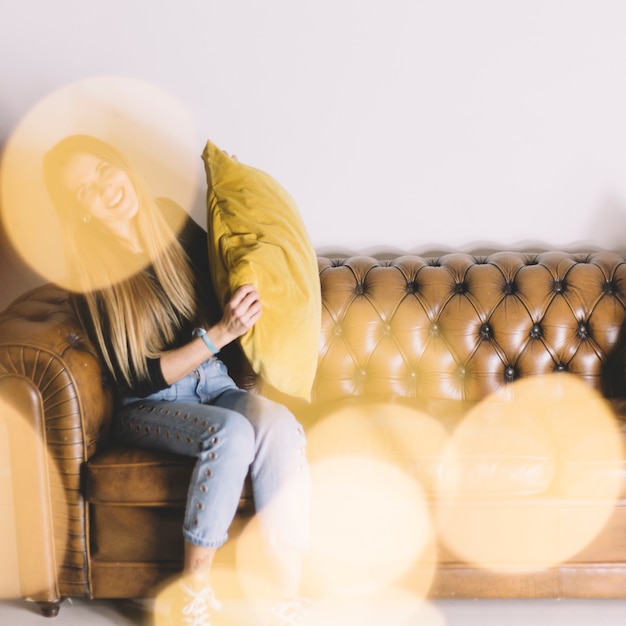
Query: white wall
[{"x": 410, "y": 124}]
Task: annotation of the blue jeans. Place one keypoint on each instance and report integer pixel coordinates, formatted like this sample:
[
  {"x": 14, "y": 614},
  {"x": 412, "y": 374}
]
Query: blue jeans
[{"x": 230, "y": 432}]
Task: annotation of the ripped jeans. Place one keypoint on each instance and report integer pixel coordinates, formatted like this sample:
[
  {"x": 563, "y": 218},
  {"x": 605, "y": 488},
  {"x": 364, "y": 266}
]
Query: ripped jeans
[{"x": 230, "y": 432}]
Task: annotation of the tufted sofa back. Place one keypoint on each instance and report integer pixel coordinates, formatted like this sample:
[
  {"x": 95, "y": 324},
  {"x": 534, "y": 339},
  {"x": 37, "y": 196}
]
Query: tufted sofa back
[{"x": 457, "y": 327}]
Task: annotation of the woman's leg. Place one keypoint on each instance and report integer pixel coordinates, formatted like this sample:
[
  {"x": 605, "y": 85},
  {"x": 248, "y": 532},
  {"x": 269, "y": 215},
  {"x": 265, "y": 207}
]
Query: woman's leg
[
  {"x": 221, "y": 440},
  {"x": 280, "y": 482},
  {"x": 197, "y": 563}
]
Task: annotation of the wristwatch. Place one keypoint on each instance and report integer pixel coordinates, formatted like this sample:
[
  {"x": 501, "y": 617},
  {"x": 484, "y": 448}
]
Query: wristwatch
[{"x": 201, "y": 332}]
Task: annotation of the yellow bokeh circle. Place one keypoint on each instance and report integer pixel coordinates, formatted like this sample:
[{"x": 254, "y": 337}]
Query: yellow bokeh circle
[
  {"x": 533, "y": 474},
  {"x": 146, "y": 124}
]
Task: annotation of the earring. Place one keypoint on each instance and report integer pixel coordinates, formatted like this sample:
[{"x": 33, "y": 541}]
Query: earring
[{"x": 87, "y": 218}]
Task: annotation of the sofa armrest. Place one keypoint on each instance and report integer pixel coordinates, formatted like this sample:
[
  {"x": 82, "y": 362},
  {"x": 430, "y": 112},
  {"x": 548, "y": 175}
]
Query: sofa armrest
[
  {"x": 41, "y": 340},
  {"x": 45, "y": 356}
]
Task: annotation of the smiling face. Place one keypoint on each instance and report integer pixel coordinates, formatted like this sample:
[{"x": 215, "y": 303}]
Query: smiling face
[{"x": 104, "y": 191}]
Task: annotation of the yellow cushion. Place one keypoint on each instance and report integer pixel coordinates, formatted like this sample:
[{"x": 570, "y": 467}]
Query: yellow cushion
[{"x": 256, "y": 236}]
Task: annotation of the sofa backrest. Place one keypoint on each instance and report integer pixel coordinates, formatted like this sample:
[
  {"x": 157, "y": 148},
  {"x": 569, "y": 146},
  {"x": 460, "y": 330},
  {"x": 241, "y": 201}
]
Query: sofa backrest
[{"x": 458, "y": 327}]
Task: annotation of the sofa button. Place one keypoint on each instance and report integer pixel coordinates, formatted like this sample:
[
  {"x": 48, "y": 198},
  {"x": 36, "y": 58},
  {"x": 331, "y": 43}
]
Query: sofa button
[
  {"x": 509, "y": 373},
  {"x": 609, "y": 288},
  {"x": 509, "y": 288}
]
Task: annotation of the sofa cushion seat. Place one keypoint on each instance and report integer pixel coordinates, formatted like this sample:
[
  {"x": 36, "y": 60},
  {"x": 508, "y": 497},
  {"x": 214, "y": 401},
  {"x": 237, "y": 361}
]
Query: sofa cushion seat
[
  {"x": 477, "y": 450},
  {"x": 507, "y": 459},
  {"x": 123, "y": 475},
  {"x": 133, "y": 476}
]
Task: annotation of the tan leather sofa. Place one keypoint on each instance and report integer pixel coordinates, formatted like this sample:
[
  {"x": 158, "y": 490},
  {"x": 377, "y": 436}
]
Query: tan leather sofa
[{"x": 435, "y": 337}]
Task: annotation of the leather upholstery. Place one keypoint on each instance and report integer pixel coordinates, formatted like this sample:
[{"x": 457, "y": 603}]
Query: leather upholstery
[
  {"x": 41, "y": 344},
  {"x": 460, "y": 327},
  {"x": 437, "y": 334}
]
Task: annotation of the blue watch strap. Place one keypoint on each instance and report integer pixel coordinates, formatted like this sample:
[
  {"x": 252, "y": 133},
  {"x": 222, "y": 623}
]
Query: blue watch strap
[{"x": 200, "y": 332}]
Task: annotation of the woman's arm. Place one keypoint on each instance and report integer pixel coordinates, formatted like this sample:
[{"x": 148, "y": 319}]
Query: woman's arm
[{"x": 240, "y": 314}]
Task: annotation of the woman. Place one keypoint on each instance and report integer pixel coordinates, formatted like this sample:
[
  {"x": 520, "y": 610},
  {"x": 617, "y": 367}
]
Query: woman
[{"x": 143, "y": 296}]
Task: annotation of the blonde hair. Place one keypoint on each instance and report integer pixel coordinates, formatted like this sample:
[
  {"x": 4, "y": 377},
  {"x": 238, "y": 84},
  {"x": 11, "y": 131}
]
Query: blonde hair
[{"x": 132, "y": 317}]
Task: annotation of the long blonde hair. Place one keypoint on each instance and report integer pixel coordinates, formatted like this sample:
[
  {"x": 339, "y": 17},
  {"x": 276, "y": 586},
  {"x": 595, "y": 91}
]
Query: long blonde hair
[{"x": 130, "y": 316}]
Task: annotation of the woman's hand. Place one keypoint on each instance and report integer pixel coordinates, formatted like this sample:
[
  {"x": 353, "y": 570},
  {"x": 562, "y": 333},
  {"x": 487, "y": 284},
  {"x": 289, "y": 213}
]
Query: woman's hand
[{"x": 240, "y": 314}]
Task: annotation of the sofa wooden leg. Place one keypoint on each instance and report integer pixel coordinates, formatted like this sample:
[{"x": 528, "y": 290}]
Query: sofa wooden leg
[{"x": 50, "y": 609}]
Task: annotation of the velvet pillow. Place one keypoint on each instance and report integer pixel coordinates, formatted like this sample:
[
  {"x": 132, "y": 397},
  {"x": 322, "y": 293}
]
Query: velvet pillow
[{"x": 256, "y": 236}]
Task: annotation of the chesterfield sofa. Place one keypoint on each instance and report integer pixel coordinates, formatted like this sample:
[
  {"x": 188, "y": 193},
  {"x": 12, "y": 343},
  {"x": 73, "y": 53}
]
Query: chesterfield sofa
[{"x": 529, "y": 345}]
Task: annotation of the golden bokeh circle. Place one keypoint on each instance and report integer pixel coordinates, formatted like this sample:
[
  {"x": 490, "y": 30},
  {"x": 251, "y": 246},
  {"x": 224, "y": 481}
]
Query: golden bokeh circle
[
  {"x": 533, "y": 474},
  {"x": 36, "y": 528},
  {"x": 149, "y": 126}
]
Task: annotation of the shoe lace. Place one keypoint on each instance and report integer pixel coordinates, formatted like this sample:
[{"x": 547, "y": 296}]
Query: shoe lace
[
  {"x": 290, "y": 612},
  {"x": 197, "y": 604}
]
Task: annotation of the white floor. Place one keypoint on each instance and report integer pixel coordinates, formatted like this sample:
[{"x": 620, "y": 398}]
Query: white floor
[{"x": 441, "y": 613}]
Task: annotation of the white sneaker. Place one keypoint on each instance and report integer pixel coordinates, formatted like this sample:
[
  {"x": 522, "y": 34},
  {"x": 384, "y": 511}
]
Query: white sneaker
[
  {"x": 290, "y": 612},
  {"x": 196, "y": 606}
]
